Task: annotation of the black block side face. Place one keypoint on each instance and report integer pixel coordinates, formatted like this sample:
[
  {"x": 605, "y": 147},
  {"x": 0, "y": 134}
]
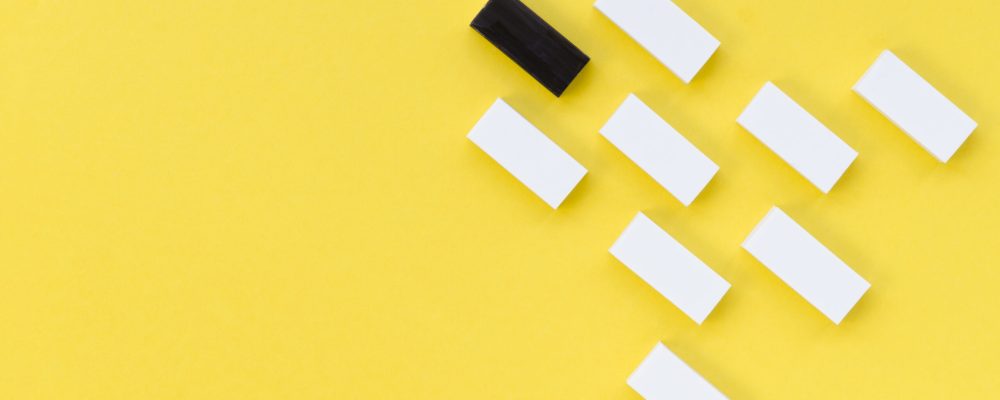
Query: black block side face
[{"x": 532, "y": 43}]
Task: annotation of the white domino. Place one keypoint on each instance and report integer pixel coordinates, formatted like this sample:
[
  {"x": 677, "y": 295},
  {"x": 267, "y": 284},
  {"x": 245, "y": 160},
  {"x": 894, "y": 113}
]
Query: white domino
[
  {"x": 665, "y": 31},
  {"x": 664, "y": 376},
  {"x": 527, "y": 153},
  {"x": 669, "y": 268},
  {"x": 658, "y": 149},
  {"x": 911, "y": 103},
  {"x": 797, "y": 137},
  {"x": 806, "y": 265}
]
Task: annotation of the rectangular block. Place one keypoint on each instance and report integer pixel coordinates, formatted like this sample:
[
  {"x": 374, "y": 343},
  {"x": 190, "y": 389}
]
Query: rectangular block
[
  {"x": 669, "y": 268},
  {"x": 664, "y": 376},
  {"x": 531, "y": 42},
  {"x": 527, "y": 153},
  {"x": 915, "y": 106},
  {"x": 664, "y": 30},
  {"x": 659, "y": 149},
  {"x": 797, "y": 137},
  {"x": 806, "y": 265}
]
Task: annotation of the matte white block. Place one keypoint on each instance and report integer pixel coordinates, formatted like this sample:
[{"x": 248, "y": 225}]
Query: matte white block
[
  {"x": 806, "y": 265},
  {"x": 669, "y": 268},
  {"x": 797, "y": 137},
  {"x": 664, "y": 376},
  {"x": 658, "y": 149},
  {"x": 527, "y": 153},
  {"x": 915, "y": 106},
  {"x": 665, "y": 31}
]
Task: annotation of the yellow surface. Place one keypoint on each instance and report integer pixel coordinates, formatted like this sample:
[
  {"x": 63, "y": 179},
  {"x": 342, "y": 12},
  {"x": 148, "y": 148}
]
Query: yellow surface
[{"x": 276, "y": 200}]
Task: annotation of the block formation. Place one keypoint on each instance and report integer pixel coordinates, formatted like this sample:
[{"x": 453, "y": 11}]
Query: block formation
[
  {"x": 527, "y": 153},
  {"x": 915, "y": 106},
  {"x": 659, "y": 149},
  {"x": 797, "y": 137},
  {"x": 664, "y": 376},
  {"x": 669, "y": 268},
  {"x": 803, "y": 263},
  {"x": 665, "y": 31}
]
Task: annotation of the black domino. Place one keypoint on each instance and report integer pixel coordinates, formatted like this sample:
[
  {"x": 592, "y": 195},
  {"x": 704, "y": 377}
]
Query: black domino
[{"x": 531, "y": 42}]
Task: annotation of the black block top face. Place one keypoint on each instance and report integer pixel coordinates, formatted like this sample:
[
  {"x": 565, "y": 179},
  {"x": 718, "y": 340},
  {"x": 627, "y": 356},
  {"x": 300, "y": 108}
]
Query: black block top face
[{"x": 532, "y": 43}]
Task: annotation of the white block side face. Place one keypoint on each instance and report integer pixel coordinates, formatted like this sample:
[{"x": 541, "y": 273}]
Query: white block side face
[
  {"x": 912, "y": 104},
  {"x": 664, "y": 30},
  {"x": 806, "y": 265},
  {"x": 797, "y": 137},
  {"x": 527, "y": 153},
  {"x": 669, "y": 268},
  {"x": 658, "y": 149},
  {"x": 664, "y": 376}
]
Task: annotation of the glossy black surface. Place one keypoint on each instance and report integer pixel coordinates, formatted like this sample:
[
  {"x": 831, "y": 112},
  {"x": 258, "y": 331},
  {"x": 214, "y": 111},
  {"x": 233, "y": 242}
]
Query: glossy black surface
[{"x": 531, "y": 42}]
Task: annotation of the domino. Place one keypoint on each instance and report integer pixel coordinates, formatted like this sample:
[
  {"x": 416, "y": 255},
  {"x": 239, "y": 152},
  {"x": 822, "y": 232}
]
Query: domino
[
  {"x": 664, "y": 376},
  {"x": 803, "y": 263},
  {"x": 669, "y": 268},
  {"x": 659, "y": 149},
  {"x": 527, "y": 153},
  {"x": 916, "y": 107},
  {"x": 532, "y": 43},
  {"x": 665, "y": 31},
  {"x": 797, "y": 137}
]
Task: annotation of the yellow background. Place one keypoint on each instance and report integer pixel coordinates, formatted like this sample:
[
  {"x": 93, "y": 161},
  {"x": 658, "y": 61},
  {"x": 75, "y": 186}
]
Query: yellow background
[{"x": 276, "y": 199}]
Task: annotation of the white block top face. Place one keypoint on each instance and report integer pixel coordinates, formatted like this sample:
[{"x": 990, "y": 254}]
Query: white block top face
[
  {"x": 665, "y": 31},
  {"x": 806, "y": 265},
  {"x": 915, "y": 106},
  {"x": 669, "y": 268},
  {"x": 527, "y": 153},
  {"x": 797, "y": 137},
  {"x": 664, "y": 376},
  {"x": 658, "y": 149}
]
